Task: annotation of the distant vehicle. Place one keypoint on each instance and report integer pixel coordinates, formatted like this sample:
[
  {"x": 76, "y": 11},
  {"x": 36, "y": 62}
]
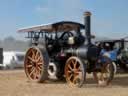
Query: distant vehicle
[
  {"x": 120, "y": 55},
  {"x": 1, "y": 58},
  {"x": 12, "y": 60}
]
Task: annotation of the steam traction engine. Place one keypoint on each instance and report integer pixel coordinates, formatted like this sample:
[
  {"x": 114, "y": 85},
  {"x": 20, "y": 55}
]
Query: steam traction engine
[{"x": 64, "y": 50}]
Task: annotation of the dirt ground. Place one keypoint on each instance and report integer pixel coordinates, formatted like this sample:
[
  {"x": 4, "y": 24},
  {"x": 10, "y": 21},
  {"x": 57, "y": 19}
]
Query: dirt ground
[{"x": 15, "y": 83}]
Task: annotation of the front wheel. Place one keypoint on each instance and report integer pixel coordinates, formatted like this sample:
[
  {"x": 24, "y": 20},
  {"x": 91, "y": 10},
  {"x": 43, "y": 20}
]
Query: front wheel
[
  {"x": 74, "y": 72},
  {"x": 106, "y": 75}
]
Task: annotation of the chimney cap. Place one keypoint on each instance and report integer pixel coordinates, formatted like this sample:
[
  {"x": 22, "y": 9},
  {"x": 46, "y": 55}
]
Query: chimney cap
[{"x": 87, "y": 13}]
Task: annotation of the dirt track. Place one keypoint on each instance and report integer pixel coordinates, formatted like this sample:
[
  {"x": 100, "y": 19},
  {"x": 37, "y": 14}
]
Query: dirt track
[{"x": 15, "y": 83}]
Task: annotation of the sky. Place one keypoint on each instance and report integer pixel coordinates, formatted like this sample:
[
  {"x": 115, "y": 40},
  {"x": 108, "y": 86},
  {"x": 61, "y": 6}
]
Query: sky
[{"x": 109, "y": 17}]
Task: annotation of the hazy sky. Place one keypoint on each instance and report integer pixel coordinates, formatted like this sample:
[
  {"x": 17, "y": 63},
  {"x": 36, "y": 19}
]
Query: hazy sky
[{"x": 109, "y": 17}]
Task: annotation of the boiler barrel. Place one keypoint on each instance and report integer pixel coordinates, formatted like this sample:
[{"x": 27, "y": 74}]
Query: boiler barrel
[
  {"x": 88, "y": 52},
  {"x": 80, "y": 52},
  {"x": 84, "y": 52}
]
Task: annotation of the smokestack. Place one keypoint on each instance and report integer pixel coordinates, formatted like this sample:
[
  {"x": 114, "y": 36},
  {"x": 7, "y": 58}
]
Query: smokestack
[{"x": 87, "y": 21}]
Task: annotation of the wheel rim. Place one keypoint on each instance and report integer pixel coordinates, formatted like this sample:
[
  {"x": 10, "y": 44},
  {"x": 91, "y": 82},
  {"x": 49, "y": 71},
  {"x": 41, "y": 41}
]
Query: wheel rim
[
  {"x": 74, "y": 72},
  {"x": 33, "y": 64}
]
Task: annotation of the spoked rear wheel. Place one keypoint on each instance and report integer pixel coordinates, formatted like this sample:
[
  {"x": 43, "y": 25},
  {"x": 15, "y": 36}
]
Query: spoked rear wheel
[
  {"x": 74, "y": 72},
  {"x": 106, "y": 75},
  {"x": 34, "y": 63}
]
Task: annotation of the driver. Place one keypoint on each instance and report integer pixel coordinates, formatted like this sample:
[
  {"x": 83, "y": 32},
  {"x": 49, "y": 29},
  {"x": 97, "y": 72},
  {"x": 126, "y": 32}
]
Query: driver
[
  {"x": 105, "y": 50},
  {"x": 112, "y": 54}
]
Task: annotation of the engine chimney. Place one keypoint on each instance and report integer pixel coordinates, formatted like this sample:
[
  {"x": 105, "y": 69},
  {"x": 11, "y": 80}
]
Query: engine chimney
[{"x": 87, "y": 21}]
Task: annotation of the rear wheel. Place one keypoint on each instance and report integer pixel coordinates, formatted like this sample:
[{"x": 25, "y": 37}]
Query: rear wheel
[
  {"x": 74, "y": 72},
  {"x": 105, "y": 76},
  {"x": 35, "y": 64}
]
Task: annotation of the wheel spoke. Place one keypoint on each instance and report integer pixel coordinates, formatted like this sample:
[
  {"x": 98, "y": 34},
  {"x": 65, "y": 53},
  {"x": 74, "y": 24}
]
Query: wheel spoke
[
  {"x": 75, "y": 64},
  {"x": 77, "y": 72},
  {"x": 29, "y": 66},
  {"x": 33, "y": 54},
  {"x": 32, "y": 71},
  {"x": 39, "y": 67},
  {"x": 38, "y": 59},
  {"x": 36, "y": 56},
  {"x": 70, "y": 77},
  {"x": 31, "y": 62},
  {"x": 69, "y": 71},
  {"x": 38, "y": 75},
  {"x": 35, "y": 74},
  {"x": 31, "y": 59},
  {"x": 40, "y": 63},
  {"x": 74, "y": 80},
  {"x": 69, "y": 66}
]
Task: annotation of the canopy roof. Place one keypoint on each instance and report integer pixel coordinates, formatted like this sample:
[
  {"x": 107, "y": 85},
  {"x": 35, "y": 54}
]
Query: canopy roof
[
  {"x": 112, "y": 40},
  {"x": 55, "y": 27}
]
